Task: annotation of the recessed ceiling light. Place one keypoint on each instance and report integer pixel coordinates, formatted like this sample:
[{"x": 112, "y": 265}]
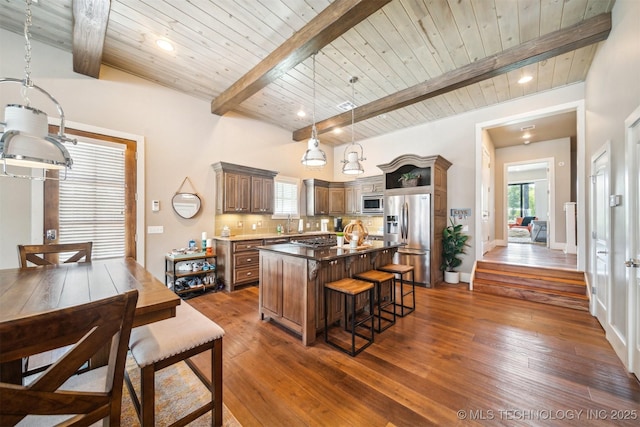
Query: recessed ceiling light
[
  {"x": 346, "y": 106},
  {"x": 526, "y": 136},
  {"x": 164, "y": 45},
  {"x": 337, "y": 130},
  {"x": 301, "y": 113},
  {"x": 527, "y": 142},
  {"x": 525, "y": 79}
]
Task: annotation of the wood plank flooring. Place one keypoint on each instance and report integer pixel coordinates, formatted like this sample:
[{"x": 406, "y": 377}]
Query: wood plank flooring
[
  {"x": 500, "y": 361},
  {"x": 534, "y": 255}
]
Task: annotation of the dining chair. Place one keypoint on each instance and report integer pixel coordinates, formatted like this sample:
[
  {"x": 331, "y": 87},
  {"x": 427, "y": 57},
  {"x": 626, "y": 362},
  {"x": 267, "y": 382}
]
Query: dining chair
[
  {"x": 58, "y": 395},
  {"x": 38, "y": 254}
]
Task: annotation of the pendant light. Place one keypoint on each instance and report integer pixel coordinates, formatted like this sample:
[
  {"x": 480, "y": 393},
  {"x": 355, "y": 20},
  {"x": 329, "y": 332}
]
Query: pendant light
[
  {"x": 25, "y": 140},
  {"x": 352, "y": 158},
  {"x": 314, "y": 156}
]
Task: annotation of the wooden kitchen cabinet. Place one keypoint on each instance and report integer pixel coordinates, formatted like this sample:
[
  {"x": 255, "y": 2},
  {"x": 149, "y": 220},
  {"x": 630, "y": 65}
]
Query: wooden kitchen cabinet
[
  {"x": 282, "y": 296},
  {"x": 236, "y": 193},
  {"x": 352, "y": 198},
  {"x": 238, "y": 262},
  {"x": 243, "y": 189},
  {"x": 317, "y": 197},
  {"x": 261, "y": 195},
  {"x": 336, "y": 199}
]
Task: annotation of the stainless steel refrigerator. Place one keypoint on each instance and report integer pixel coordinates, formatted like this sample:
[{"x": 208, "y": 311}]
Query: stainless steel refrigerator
[{"x": 407, "y": 219}]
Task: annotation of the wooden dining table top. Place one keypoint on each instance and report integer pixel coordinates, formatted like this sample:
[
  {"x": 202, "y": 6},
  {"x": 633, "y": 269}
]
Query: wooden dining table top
[{"x": 24, "y": 292}]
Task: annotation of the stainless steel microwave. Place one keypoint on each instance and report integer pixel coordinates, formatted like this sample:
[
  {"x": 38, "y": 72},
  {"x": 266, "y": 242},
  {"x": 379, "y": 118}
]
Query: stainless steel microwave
[{"x": 373, "y": 203}]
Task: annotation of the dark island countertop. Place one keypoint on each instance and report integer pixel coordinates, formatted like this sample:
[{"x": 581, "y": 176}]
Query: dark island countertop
[{"x": 327, "y": 253}]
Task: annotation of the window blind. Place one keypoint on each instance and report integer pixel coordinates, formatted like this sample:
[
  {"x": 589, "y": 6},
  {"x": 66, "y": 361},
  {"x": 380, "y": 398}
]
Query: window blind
[
  {"x": 286, "y": 197},
  {"x": 92, "y": 198}
]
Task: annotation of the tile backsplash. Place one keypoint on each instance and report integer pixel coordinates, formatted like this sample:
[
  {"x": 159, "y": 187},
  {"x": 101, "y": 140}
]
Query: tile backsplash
[{"x": 242, "y": 224}]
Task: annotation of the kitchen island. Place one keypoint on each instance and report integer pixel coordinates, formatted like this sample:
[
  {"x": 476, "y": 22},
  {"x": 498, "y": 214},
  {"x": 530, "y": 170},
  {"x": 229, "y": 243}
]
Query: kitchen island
[{"x": 292, "y": 279}]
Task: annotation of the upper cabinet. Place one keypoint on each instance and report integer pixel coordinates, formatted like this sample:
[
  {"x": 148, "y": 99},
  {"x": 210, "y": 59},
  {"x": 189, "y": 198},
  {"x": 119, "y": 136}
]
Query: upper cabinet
[
  {"x": 317, "y": 197},
  {"x": 261, "y": 195},
  {"x": 352, "y": 198},
  {"x": 242, "y": 189},
  {"x": 336, "y": 198}
]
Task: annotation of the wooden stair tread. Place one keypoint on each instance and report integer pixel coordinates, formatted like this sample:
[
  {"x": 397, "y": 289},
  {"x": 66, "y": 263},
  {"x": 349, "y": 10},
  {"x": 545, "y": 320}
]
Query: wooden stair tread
[{"x": 523, "y": 269}]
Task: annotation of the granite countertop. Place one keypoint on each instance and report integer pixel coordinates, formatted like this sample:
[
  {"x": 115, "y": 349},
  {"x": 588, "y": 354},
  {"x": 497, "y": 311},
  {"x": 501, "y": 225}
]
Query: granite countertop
[
  {"x": 255, "y": 236},
  {"x": 327, "y": 254}
]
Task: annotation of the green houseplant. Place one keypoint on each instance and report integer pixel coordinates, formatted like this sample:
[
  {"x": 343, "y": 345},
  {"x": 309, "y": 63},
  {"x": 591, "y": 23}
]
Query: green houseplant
[
  {"x": 409, "y": 179},
  {"x": 453, "y": 244}
]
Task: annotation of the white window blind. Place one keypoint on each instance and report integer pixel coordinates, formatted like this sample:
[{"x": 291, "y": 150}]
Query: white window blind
[
  {"x": 286, "y": 197},
  {"x": 92, "y": 198}
]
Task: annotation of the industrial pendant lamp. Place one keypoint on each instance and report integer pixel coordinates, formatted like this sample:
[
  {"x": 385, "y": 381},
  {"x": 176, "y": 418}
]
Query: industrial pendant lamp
[
  {"x": 314, "y": 156},
  {"x": 352, "y": 158},
  {"x": 25, "y": 140}
]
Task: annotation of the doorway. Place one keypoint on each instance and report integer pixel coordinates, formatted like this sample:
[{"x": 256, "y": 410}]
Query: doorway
[
  {"x": 484, "y": 140},
  {"x": 528, "y": 202}
]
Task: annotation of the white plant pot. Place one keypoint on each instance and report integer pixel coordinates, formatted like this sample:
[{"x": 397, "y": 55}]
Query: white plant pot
[{"x": 452, "y": 276}]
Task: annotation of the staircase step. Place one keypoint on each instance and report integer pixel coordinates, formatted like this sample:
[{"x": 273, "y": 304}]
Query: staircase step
[
  {"x": 555, "y": 273},
  {"x": 533, "y": 280},
  {"x": 552, "y": 297}
]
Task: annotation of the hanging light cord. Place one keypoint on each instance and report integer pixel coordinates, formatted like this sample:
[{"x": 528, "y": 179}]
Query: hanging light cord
[
  {"x": 353, "y": 109},
  {"x": 28, "y": 83},
  {"x": 314, "y": 131}
]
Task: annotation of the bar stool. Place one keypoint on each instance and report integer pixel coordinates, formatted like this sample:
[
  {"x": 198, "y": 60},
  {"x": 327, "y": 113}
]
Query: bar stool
[
  {"x": 378, "y": 278},
  {"x": 350, "y": 289},
  {"x": 401, "y": 270}
]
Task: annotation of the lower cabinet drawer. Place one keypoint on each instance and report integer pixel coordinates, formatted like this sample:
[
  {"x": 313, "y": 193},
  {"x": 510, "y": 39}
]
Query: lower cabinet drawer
[
  {"x": 246, "y": 274},
  {"x": 245, "y": 259}
]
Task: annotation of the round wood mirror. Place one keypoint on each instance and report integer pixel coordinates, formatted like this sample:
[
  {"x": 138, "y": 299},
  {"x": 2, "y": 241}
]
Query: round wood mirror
[{"x": 186, "y": 205}]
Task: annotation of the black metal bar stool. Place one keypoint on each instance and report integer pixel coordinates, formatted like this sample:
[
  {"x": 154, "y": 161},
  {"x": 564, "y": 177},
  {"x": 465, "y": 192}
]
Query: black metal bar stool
[
  {"x": 379, "y": 278},
  {"x": 351, "y": 289},
  {"x": 400, "y": 270}
]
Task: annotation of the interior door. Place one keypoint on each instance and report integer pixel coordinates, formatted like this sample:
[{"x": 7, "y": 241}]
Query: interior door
[
  {"x": 632, "y": 262},
  {"x": 600, "y": 235},
  {"x": 486, "y": 205}
]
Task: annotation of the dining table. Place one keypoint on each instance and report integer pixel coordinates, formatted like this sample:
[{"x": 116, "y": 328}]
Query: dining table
[{"x": 29, "y": 291}]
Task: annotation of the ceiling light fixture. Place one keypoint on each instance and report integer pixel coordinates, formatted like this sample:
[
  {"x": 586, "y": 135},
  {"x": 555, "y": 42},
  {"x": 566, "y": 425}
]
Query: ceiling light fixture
[
  {"x": 314, "y": 156},
  {"x": 352, "y": 159},
  {"x": 525, "y": 79},
  {"x": 25, "y": 140},
  {"x": 164, "y": 45}
]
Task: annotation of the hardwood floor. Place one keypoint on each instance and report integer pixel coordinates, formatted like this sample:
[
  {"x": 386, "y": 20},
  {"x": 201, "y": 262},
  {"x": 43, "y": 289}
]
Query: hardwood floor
[
  {"x": 534, "y": 255},
  {"x": 498, "y": 361}
]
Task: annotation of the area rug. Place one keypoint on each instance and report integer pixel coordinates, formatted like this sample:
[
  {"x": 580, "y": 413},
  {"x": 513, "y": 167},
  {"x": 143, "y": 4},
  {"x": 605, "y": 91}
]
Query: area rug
[
  {"x": 182, "y": 392},
  {"x": 519, "y": 235}
]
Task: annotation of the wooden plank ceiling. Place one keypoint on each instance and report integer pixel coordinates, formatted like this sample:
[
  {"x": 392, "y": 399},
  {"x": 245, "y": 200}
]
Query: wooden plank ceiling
[{"x": 402, "y": 46}]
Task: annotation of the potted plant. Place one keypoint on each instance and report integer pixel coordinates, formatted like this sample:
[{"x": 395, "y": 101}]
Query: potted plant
[
  {"x": 453, "y": 244},
  {"x": 409, "y": 179}
]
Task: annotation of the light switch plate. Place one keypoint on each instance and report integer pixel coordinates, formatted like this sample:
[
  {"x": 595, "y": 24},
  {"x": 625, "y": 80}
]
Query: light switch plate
[{"x": 155, "y": 229}]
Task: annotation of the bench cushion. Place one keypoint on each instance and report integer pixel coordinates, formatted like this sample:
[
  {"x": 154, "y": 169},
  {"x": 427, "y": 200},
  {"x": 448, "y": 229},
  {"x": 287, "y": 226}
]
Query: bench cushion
[{"x": 161, "y": 340}]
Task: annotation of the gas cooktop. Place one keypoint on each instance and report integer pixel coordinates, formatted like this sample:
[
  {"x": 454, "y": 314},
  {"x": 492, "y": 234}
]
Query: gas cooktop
[{"x": 315, "y": 242}]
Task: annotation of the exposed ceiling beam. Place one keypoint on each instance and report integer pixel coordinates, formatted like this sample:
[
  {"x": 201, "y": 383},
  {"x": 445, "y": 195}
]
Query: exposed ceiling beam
[
  {"x": 90, "y": 18},
  {"x": 335, "y": 20},
  {"x": 550, "y": 45}
]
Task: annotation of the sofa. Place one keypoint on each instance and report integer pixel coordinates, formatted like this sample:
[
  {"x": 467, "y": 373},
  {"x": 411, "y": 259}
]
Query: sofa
[{"x": 524, "y": 222}]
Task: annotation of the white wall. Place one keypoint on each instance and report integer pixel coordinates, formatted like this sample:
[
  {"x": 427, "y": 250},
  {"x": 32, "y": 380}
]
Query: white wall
[{"x": 612, "y": 91}]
